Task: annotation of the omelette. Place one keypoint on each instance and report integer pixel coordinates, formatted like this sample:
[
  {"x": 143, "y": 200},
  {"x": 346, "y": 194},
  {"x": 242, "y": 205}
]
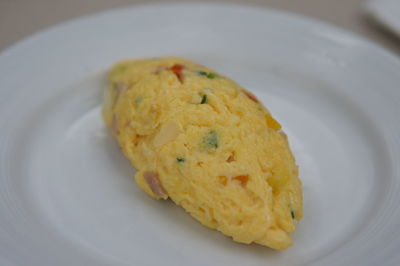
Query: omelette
[{"x": 200, "y": 139}]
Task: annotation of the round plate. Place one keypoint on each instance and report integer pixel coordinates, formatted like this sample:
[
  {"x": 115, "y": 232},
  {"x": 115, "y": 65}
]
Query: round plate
[{"x": 66, "y": 193}]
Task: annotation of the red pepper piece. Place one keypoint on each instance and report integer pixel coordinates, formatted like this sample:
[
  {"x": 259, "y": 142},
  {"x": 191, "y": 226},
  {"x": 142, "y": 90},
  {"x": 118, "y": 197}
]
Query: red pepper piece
[
  {"x": 251, "y": 96},
  {"x": 177, "y": 70}
]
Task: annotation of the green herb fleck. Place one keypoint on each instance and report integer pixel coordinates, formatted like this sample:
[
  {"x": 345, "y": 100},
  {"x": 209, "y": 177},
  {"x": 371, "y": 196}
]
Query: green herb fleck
[
  {"x": 202, "y": 73},
  {"x": 207, "y": 74},
  {"x": 138, "y": 99},
  {"x": 180, "y": 160},
  {"x": 212, "y": 76},
  {"x": 209, "y": 141},
  {"x": 203, "y": 99},
  {"x": 292, "y": 214}
]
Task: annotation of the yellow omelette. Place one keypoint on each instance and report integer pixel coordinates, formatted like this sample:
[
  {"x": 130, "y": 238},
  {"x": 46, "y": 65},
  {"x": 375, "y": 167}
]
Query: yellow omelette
[{"x": 200, "y": 139}]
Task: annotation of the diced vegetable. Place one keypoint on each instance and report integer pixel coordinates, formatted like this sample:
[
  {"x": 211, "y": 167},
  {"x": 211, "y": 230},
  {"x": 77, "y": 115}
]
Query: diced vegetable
[
  {"x": 203, "y": 99},
  {"x": 223, "y": 180},
  {"x": 202, "y": 73},
  {"x": 251, "y": 96},
  {"x": 180, "y": 160},
  {"x": 138, "y": 99},
  {"x": 272, "y": 123},
  {"x": 242, "y": 179},
  {"x": 212, "y": 76},
  {"x": 209, "y": 75},
  {"x": 168, "y": 132},
  {"x": 209, "y": 141},
  {"x": 153, "y": 181},
  {"x": 231, "y": 158},
  {"x": 177, "y": 70}
]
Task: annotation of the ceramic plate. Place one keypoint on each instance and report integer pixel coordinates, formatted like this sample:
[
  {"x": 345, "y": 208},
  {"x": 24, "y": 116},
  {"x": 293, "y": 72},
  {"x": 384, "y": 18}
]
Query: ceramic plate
[{"x": 67, "y": 196}]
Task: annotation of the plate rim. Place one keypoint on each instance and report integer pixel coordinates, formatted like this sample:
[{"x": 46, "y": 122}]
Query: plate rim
[{"x": 308, "y": 19}]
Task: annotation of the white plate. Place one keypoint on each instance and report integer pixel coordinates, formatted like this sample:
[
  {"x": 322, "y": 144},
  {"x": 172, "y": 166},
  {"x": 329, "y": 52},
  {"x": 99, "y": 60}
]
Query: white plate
[
  {"x": 66, "y": 192},
  {"x": 387, "y": 12}
]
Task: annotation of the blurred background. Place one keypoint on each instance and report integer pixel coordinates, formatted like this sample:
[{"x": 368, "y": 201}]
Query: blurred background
[{"x": 20, "y": 18}]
